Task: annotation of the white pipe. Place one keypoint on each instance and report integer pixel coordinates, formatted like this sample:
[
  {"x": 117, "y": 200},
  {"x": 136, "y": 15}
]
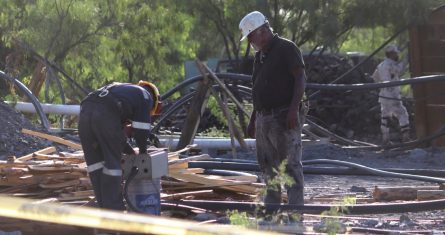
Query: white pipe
[
  {"x": 220, "y": 143},
  {"x": 207, "y": 143},
  {"x": 72, "y": 109}
]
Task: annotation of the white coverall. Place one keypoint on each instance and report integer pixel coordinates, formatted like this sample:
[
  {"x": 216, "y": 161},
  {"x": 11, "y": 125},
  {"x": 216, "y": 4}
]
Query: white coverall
[{"x": 390, "y": 103}]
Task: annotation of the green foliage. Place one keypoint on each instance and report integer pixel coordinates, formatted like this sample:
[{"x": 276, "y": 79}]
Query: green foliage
[
  {"x": 281, "y": 179},
  {"x": 97, "y": 42},
  {"x": 239, "y": 218},
  {"x": 331, "y": 224}
]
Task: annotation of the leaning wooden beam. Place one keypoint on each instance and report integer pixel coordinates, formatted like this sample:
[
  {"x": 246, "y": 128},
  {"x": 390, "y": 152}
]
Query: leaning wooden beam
[
  {"x": 53, "y": 138},
  {"x": 106, "y": 219},
  {"x": 197, "y": 106},
  {"x": 225, "y": 89}
]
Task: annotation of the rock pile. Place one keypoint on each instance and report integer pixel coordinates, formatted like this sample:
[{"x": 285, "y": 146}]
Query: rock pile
[{"x": 12, "y": 141}]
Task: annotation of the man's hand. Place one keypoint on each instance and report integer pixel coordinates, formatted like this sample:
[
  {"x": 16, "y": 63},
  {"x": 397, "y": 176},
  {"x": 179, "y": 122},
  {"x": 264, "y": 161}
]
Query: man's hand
[
  {"x": 292, "y": 119},
  {"x": 128, "y": 130}
]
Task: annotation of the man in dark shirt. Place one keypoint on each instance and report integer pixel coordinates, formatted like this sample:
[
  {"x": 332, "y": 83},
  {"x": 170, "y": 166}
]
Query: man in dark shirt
[
  {"x": 278, "y": 86},
  {"x": 103, "y": 116}
]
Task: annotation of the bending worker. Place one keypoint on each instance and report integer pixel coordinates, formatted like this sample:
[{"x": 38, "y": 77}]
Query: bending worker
[
  {"x": 279, "y": 81},
  {"x": 389, "y": 98},
  {"x": 103, "y": 116}
]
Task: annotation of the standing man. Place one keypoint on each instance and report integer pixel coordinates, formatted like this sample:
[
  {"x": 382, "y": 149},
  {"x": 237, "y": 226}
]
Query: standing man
[
  {"x": 389, "y": 98},
  {"x": 104, "y": 114},
  {"x": 279, "y": 81}
]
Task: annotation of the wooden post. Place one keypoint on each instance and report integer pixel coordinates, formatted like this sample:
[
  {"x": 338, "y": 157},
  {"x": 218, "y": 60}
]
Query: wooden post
[
  {"x": 38, "y": 77},
  {"x": 197, "y": 106},
  {"x": 236, "y": 132},
  {"x": 223, "y": 105}
]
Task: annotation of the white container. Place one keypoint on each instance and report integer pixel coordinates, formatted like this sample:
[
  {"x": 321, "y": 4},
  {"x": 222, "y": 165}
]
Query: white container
[{"x": 145, "y": 195}]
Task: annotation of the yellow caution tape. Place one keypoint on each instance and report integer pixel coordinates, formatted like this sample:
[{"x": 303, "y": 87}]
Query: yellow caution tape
[{"x": 20, "y": 208}]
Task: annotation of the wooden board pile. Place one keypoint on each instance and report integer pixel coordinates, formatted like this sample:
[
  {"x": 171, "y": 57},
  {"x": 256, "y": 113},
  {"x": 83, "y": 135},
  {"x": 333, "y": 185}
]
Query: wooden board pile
[{"x": 63, "y": 176}]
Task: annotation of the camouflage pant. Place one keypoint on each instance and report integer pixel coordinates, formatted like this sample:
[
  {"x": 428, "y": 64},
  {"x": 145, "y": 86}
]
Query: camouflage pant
[{"x": 276, "y": 143}]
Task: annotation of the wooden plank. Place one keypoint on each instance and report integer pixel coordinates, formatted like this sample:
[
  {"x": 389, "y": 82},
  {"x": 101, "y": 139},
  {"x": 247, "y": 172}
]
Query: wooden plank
[
  {"x": 235, "y": 186},
  {"x": 42, "y": 151},
  {"x": 48, "y": 169},
  {"x": 251, "y": 179},
  {"x": 188, "y": 159},
  {"x": 53, "y": 138},
  {"x": 399, "y": 193},
  {"x": 434, "y": 32},
  {"x": 60, "y": 185},
  {"x": 39, "y": 156},
  {"x": 186, "y": 148},
  {"x": 433, "y": 47},
  {"x": 184, "y": 194},
  {"x": 423, "y": 195},
  {"x": 433, "y": 64}
]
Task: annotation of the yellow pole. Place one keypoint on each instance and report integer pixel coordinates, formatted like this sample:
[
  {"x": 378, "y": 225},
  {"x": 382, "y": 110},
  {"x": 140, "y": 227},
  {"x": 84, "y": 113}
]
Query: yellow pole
[{"x": 27, "y": 209}]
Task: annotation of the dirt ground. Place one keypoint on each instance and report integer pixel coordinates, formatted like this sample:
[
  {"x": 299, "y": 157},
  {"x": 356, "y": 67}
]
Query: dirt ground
[{"x": 338, "y": 186}]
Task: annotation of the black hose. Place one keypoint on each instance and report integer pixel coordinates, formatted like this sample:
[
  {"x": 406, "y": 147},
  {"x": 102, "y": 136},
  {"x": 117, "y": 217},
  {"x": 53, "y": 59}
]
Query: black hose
[
  {"x": 133, "y": 173},
  {"x": 373, "y": 86},
  {"x": 256, "y": 168},
  {"x": 227, "y": 173},
  {"x": 376, "y": 171},
  {"x": 228, "y": 76},
  {"x": 28, "y": 93},
  {"x": 359, "y": 86},
  {"x": 355, "y": 171},
  {"x": 317, "y": 209},
  {"x": 209, "y": 165}
]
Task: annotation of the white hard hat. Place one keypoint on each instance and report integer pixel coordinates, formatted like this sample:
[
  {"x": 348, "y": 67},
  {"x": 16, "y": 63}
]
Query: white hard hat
[
  {"x": 392, "y": 48},
  {"x": 250, "y": 22}
]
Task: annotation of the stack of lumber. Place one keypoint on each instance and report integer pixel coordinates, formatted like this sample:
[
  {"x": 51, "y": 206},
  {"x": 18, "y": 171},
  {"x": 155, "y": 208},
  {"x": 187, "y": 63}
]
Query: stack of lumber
[
  {"x": 183, "y": 179},
  {"x": 45, "y": 174},
  {"x": 63, "y": 176}
]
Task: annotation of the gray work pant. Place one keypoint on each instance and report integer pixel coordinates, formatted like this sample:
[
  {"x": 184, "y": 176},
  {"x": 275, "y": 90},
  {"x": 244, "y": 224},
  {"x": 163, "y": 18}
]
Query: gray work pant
[
  {"x": 102, "y": 138},
  {"x": 276, "y": 143}
]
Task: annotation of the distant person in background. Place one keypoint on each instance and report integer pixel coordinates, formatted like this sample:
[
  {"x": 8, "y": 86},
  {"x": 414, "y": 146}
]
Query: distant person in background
[
  {"x": 389, "y": 98},
  {"x": 276, "y": 122}
]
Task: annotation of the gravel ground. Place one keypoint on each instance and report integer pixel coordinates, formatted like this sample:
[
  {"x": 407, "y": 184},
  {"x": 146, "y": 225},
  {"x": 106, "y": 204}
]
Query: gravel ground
[{"x": 336, "y": 186}]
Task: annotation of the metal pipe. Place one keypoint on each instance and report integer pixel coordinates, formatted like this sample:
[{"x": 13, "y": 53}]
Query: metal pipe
[
  {"x": 206, "y": 143},
  {"x": 47, "y": 108}
]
